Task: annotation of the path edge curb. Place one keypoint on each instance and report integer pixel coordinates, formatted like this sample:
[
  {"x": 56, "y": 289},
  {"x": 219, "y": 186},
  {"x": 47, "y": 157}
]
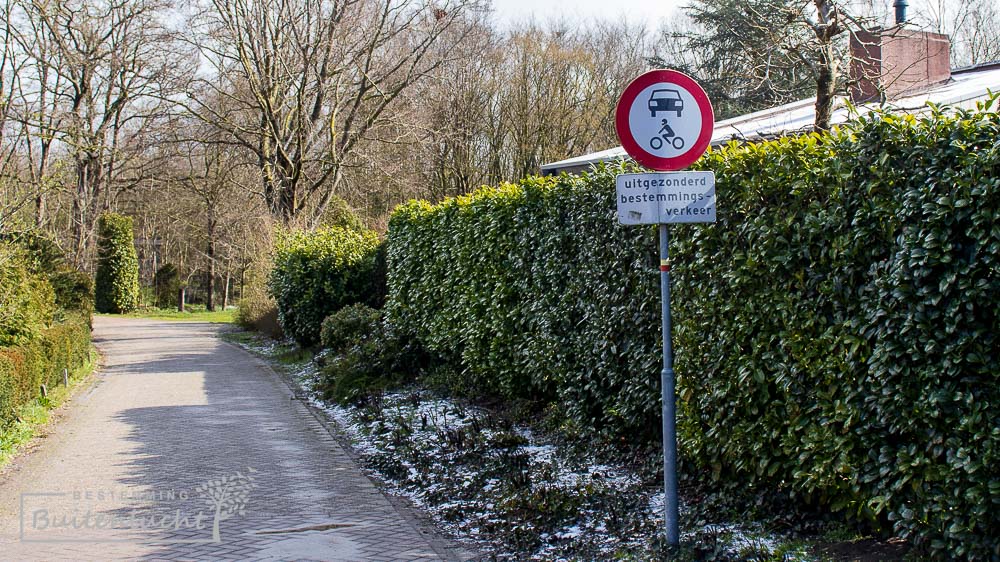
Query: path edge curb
[{"x": 413, "y": 515}]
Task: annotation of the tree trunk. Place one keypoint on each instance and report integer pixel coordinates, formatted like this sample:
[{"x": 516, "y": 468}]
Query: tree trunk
[
  {"x": 210, "y": 302},
  {"x": 79, "y": 215},
  {"x": 180, "y": 299},
  {"x": 85, "y": 207},
  {"x": 40, "y": 208},
  {"x": 826, "y": 83},
  {"x": 225, "y": 291},
  {"x": 826, "y": 73}
]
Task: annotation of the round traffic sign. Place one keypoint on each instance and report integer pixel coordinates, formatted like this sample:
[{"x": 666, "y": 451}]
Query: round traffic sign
[{"x": 664, "y": 120}]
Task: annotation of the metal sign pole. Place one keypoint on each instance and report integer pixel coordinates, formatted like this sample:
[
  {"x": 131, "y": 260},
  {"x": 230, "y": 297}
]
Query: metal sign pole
[
  {"x": 666, "y": 143},
  {"x": 670, "y": 508}
]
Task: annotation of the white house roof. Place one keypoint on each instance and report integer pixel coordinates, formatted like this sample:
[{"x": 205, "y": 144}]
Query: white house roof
[{"x": 966, "y": 87}]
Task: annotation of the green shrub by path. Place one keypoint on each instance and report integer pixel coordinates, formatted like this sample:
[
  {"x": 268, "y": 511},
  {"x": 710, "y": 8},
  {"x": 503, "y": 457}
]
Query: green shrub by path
[
  {"x": 116, "y": 287},
  {"x": 318, "y": 273},
  {"x": 531, "y": 292},
  {"x": 931, "y": 322},
  {"x": 43, "y": 330},
  {"x": 256, "y": 309},
  {"x": 363, "y": 355},
  {"x": 28, "y": 365},
  {"x": 836, "y": 329},
  {"x": 846, "y": 324},
  {"x": 27, "y": 301},
  {"x": 73, "y": 289},
  {"x": 349, "y": 326},
  {"x": 30, "y": 416},
  {"x": 167, "y": 285}
]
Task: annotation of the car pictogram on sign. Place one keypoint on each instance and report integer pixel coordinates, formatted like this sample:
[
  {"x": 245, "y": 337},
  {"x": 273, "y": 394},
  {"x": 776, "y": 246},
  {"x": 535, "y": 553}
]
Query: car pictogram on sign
[
  {"x": 665, "y": 100},
  {"x": 664, "y": 120}
]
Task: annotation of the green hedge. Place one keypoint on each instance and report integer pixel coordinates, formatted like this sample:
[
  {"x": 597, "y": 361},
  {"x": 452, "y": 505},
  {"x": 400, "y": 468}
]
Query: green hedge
[
  {"x": 116, "y": 286},
  {"x": 318, "y": 273},
  {"x": 845, "y": 323},
  {"x": 532, "y": 291},
  {"x": 25, "y": 367},
  {"x": 27, "y": 300},
  {"x": 42, "y": 330},
  {"x": 836, "y": 329}
]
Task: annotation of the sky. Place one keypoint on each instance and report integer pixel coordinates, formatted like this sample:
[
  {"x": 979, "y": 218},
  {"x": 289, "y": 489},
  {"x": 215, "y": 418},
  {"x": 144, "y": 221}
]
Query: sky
[{"x": 650, "y": 12}]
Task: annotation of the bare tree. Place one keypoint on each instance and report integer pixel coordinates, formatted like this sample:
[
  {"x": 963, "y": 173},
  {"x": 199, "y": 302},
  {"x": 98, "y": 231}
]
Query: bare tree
[
  {"x": 10, "y": 136},
  {"x": 210, "y": 172},
  {"x": 10, "y": 70},
  {"x": 543, "y": 92},
  {"x": 309, "y": 80},
  {"x": 770, "y": 45},
  {"x": 103, "y": 67},
  {"x": 30, "y": 96},
  {"x": 198, "y": 213},
  {"x": 973, "y": 25}
]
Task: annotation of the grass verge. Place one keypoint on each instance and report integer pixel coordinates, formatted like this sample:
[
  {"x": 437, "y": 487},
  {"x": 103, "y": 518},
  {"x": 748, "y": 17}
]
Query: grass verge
[
  {"x": 35, "y": 414},
  {"x": 193, "y": 313},
  {"x": 284, "y": 355}
]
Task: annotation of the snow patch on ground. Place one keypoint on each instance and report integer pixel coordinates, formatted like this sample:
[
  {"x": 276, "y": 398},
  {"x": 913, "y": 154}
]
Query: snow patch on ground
[{"x": 418, "y": 444}]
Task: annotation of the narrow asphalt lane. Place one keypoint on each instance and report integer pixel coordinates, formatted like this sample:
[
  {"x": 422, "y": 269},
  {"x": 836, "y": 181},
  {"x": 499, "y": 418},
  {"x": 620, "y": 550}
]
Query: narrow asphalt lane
[{"x": 184, "y": 447}]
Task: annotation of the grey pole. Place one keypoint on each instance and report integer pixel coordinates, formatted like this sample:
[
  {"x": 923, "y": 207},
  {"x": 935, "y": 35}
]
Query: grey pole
[{"x": 670, "y": 509}]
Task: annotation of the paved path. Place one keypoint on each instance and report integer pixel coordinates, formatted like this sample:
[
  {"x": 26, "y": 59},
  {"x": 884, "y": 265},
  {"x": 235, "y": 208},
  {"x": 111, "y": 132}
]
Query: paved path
[{"x": 180, "y": 432}]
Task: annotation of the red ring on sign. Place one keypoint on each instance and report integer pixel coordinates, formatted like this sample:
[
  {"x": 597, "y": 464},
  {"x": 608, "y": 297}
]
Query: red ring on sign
[{"x": 640, "y": 154}]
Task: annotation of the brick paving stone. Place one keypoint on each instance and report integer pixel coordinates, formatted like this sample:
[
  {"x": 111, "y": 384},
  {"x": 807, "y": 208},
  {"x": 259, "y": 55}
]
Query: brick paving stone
[{"x": 177, "y": 424}]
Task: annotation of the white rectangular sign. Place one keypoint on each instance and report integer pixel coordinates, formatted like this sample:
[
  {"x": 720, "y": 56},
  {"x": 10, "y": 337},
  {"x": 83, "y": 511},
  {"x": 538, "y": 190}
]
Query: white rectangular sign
[{"x": 666, "y": 197}]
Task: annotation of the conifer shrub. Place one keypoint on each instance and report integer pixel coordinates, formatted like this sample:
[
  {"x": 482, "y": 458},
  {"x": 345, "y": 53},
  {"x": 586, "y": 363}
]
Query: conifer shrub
[
  {"x": 116, "y": 286},
  {"x": 27, "y": 301},
  {"x": 167, "y": 285},
  {"x": 74, "y": 290}
]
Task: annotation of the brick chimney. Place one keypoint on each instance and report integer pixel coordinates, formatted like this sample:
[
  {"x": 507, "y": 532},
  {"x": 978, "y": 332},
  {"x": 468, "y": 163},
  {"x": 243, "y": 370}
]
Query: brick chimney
[{"x": 897, "y": 61}]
